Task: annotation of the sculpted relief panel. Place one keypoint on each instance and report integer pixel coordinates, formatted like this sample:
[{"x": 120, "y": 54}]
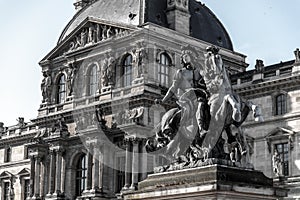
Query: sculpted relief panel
[{"x": 93, "y": 33}]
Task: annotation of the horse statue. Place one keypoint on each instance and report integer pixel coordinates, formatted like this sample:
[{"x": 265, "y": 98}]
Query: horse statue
[{"x": 195, "y": 131}]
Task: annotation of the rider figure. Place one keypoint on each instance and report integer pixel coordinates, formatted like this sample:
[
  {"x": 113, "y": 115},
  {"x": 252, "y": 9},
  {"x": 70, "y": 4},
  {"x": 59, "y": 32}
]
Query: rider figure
[{"x": 187, "y": 78}]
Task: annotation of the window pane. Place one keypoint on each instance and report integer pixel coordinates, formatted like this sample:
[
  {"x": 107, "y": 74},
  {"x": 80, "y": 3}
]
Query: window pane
[
  {"x": 81, "y": 175},
  {"x": 26, "y": 188},
  {"x": 61, "y": 89},
  {"x": 163, "y": 69},
  {"x": 127, "y": 71},
  {"x": 280, "y": 104},
  {"x": 93, "y": 80},
  {"x": 283, "y": 152}
]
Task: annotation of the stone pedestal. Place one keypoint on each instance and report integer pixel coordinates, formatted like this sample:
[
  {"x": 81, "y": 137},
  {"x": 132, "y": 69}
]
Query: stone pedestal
[{"x": 208, "y": 183}]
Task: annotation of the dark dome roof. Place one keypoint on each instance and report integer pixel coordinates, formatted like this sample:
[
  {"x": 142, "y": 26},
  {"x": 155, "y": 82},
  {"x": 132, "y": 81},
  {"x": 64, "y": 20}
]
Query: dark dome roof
[{"x": 204, "y": 24}]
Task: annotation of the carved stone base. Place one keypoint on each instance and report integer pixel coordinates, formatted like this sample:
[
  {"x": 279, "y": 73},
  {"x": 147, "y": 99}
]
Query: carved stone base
[
  {"x": 139, "y": 80},
  {"x": 95, "y": 194},
  {"x": 209, "y": 182},
  {"x": 106, "y": 93}
]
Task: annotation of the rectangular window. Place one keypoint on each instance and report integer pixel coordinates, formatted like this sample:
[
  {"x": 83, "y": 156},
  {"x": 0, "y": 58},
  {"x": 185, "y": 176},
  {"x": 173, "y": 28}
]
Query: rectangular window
[
  {"x": 283, "y": 152},
  {"x": 280, "y": 104},
  {"x": 6, "y": 190},
  {"x": 26, "y": 188},
  {"x": 120, "y": 173}
]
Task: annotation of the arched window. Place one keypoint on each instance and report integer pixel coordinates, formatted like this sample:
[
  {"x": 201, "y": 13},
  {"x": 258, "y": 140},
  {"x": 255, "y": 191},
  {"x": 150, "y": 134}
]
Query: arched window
[
  {"x": 127, "y": 70},
  {"x": 163, "y": 69},
  {"x": 280, "y": 104},
  {"x": 93, "y": 80},
  {"x": 61, "y": 89},
  {"x": 81, "y": 175}
]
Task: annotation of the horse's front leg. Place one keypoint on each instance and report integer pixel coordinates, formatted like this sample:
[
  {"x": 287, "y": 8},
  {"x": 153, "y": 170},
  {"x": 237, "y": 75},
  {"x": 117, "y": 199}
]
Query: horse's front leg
[{"x": 236, "y": 107}]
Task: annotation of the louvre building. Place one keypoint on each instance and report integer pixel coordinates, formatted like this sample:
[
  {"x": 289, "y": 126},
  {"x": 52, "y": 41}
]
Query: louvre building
[{"x": 110, "y": 64}]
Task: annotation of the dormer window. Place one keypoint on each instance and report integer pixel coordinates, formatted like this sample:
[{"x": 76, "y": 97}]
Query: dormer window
[{"x": 61, "y": 89}]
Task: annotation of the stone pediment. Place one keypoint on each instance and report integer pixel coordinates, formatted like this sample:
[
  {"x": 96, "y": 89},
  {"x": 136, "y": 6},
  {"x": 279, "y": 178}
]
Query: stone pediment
[
  {"x": 6, "y": 175},
  {"x": 24, "y": 172},
  {"x": 280, "y": 134},
  {"x": 89, "y": 33}
]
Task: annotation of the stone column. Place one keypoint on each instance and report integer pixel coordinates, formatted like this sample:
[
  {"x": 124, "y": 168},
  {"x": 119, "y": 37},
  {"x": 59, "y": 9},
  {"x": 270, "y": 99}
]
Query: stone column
[
  {"x": 59, "y": 153},
  {"x": 96, "y": 170},
  {"x": 144, "y": 160},
  {"x": 135, "y": 164},
  {"x": 42, "y": 179},
  {"x": 88, "y": 180},
  {"x": 105, "y": 168},
  {"x": 37, "y": 177},
  {"x": 128, "y": 164},
  {"x": 51, "y": 172},
  {"x": 63, "y": 175},
  {"x": 101, "y": 168},
  {"x": 32, "y": 175}
]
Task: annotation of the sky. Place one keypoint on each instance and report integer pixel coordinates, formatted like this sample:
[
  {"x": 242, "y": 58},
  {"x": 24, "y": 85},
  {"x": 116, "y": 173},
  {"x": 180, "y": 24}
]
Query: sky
[{"x": 260, "y": 29}]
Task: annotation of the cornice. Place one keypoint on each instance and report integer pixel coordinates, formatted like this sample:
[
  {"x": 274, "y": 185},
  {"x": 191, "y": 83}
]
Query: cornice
[
  {"x": 16, "y": 139},
  {"x": 15, "y": 164},
  {"x": 267, "y": 87}
]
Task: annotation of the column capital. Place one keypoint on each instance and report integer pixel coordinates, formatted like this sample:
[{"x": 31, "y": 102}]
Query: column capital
[{"x": 57, "y": 149}]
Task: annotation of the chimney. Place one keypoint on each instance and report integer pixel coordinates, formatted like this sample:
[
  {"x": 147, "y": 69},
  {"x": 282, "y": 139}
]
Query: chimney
[{"x": 178, "y": 15}]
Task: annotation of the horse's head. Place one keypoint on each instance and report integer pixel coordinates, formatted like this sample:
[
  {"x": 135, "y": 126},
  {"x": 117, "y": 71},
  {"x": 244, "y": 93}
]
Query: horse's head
[{"x": 213, "y": 60}]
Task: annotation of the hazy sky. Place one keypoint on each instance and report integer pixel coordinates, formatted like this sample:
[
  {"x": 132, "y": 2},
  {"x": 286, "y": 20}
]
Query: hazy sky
[{"x": 265, "y": 29}]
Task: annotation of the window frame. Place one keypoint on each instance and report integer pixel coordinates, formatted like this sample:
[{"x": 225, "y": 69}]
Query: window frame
[
  {"x": 80, "y": 180},
  {"x": 92, "y": 80},
  {"x": 280, "y": 104},
  {"x": 285, "y": 151},
  {"x": 127, "y": 70},
  {"x": 61, "y": 89},
  {"x": 7, "y": 178},
  {"x": 120, "y": 172},
  {"x": 163, "y": 71},
  {"x": 7, "y": 155}
]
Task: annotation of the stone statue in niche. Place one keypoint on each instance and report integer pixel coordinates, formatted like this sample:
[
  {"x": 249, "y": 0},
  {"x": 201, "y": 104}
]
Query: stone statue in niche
[
  {"x": 83, "y": 37},
  {"x": 108, "y": 68},
  {"x": 60, "y": 127},
  {"x": 46, "y": 86},
  {"x": 141, "y": 57},
  {"x": 104, "y": 32},
  {"x": 2, "y": 128},
  {"x": 98, "y": 33},
  {"x": 277, "y": 163},
  {"x": 21, "y": 122},
  {"x": 71, "y": 78},
  {"x": 91, "y": 34},
  {"x": 208, "y": 109},
  {"x": 259, "y": 66}
]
